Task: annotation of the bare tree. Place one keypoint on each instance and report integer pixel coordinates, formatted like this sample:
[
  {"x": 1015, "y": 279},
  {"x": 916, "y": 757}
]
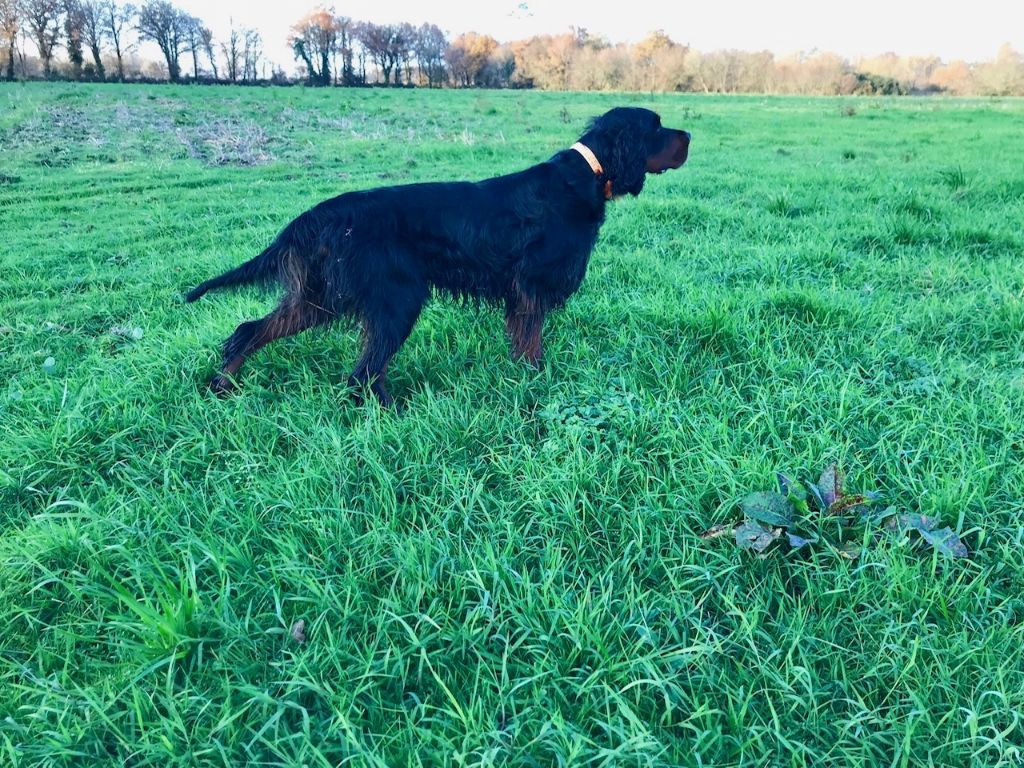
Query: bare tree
[
  {"x": 343, "y": 47},
  {"x": 501, "y": 64},
  {"x": 10, "y": 24},
  {"x": 74, "y": 21},
  {"x": 388, "y": 45},
  {"x": 405, "y": 43},
  {"x": 250, "y": 54},
  {"x": 717, "y": 71},
  {"x": 168, "y": 27},
  {"x": 192, "y": 34},
  {"x": 93, "y": 33},
  {"x": 361, "y": 60},
  {"x": 232, "y": 53},
  {"x": 430, "y": 47},
  {"x": 313, "y": 40},
  {"x": 206, "y": 39},
  {"x": 921, "y": 69},
  {"x": 117, "y": 20},
  {"x": 400, "y": 49},
  {"x": 42, "y": 22}
]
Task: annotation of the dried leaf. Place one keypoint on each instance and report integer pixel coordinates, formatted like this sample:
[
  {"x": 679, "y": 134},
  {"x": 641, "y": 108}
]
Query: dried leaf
[
  {"x": 767, "y": 507},
  {"x": 796, "y": 542},
  {"x": 946, "y": 542},
  {"x": 830, "y": 484},
  {"x": 850, "y": 550},
  {"x": 299, "y": 631},
  {"x": 921, "y": 523},
  {"x": 848, "y": 504},
  {"x": 756, "y": 537},
  {"x": 717, "y": 531}
]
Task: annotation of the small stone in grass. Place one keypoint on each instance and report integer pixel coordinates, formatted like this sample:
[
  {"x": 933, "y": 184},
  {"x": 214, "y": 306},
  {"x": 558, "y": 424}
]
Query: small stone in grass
[
  {"x": 124, "y": 331},
  {"x": 299, "y": 631}
]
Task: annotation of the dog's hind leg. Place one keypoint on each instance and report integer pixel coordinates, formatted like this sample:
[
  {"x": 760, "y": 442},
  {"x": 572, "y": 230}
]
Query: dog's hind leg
[{"x": 290, "y": 317}]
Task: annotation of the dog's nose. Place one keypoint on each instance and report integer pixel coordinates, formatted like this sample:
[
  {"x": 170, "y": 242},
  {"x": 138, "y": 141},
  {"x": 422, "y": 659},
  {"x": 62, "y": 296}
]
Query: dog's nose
[{"x": 685, "y": 136}]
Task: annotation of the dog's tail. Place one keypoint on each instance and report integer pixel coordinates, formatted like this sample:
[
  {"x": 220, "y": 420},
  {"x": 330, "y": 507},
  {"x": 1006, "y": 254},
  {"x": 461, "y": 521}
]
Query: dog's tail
[{"x": 257, "y": 269}]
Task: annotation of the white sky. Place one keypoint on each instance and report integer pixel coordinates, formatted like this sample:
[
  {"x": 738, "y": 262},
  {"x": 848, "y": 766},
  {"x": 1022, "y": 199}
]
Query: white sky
[{"x": 969, "y": 29}]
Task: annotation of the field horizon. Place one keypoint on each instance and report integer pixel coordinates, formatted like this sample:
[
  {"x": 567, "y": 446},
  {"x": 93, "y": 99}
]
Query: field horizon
[{"x": 511, "y": 570}]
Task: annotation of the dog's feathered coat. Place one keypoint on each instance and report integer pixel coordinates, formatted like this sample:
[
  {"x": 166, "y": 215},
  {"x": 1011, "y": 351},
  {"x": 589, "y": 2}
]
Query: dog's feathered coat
[{"x": 521, "y": 241}]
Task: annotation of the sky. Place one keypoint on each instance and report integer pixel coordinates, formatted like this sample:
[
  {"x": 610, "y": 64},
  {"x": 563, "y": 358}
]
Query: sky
[{"x": 968, "y": 29}]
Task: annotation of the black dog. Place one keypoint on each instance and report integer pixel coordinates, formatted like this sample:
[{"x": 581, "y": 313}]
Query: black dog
[{"x": 521, "y": 241}]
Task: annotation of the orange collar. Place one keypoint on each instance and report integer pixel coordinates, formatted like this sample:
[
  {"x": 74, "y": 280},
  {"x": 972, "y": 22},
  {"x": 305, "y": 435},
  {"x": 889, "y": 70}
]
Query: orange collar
[{"x": 595, "y": 165}]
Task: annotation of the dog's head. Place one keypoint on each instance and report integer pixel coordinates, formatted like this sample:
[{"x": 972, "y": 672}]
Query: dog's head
[{"x": 630, "y": 142}]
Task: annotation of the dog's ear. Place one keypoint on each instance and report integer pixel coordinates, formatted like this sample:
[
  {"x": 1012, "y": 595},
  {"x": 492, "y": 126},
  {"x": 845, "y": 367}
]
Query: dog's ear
[
  {"x": 620, "y": 147},
  {"x": 627, "y": 165}
]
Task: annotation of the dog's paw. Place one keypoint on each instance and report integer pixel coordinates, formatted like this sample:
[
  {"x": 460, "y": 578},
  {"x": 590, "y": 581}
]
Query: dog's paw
[
  {"x": 221, "y": 385},
  {"x": 534, "y": 362},
  {"x": 387, "y": 402},
  {"x": 529, "y": 358}
]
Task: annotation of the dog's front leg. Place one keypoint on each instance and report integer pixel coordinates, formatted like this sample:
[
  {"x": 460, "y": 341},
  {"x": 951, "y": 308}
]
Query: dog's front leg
[{"x": 524, "y": 321}]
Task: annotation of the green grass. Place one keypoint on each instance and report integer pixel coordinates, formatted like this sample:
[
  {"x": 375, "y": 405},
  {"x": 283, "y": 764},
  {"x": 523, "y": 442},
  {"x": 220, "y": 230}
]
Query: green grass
[{"x": 510, "y": 571}]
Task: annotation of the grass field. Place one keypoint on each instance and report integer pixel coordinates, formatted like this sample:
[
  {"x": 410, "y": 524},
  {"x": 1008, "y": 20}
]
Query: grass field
[{"x": 510, "y": 571}]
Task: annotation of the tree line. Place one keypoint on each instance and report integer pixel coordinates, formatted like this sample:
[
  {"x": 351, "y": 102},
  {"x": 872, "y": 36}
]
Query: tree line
[{"x": 98, "y": 40}]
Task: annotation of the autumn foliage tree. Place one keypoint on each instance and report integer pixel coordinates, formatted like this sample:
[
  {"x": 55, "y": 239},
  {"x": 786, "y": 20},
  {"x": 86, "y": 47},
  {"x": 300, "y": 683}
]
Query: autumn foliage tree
[
  {"x": 313, "y": 40},
  {"x": 660, "y": 64},
  {"x": 467, "y": 57},
  {"x": 1003, "y": 76},
  {"x": 546, "y": 61},
  {"x": 333, "y": 49},
  {"x": 954, "y": 77}
]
